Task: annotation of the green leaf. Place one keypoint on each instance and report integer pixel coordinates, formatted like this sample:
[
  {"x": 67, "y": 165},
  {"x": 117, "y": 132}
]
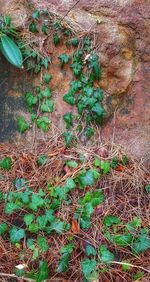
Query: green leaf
[
  {"x": 47, "y": 106},
  {"x": 77, "y": 68},
  {"x": 141, "y": 244},
  {"x": 88, "y": 178},
  {"x": 63, "y": 263},
  {"x": 134, "y": 224},
  {"x": 105, "y": 255},
  {"x": 45, "y": 29},
  {"x": 46, "y": 93},
  {"x": 3, "y": 228},
  {"x": 42, "y": 243},
  {"x": 95, "y": 198},
  {"x": 43, "y": 123},
  {"x": 43, "y": 272},
  {"x": 58, "y": 226},
  {"x": 11, "y": 51},
  {"x": 138, "y": 275},
  {"x": 125, "y": 266},
  {"x": 69, "y": 98},
  {"x": 16, "y": 234},
  {"x": 46, "y": 77},
  {"x": 67, "y": 249},
  {"x": 69, "y": 185},
  {"x": 147, "y": 188},
  {"x": 28, "y": 218},
  {"x": 68, "y": 138},
  {"x": 90, "y": 251},
  {"x": 33, "y": 228},
  {"x": 30, "y": 99},
  {"x": 89, "y": 132},
  {"x": 97, "y": 162},
  {"x": 73, "y": 41},
  {"x": 6, "y": 163},
  {"x": 72, "y": 164},
  {"x": 36, "y": 202},
  {"x": 76, "y": 85},
  {"x": 56, "y": 39},
  {"x": 123, "y": 240},
  {"x": 33, "y": 27},
  {"x": 64, "y": 59},
  {"x": 105, "y": 166},
  {"x": 110, "y": 220},
  {"x": 36, "y": 14},
  {"x": 45, "y": 62},
  {"x": 98, "y": 109},
  {"x": 42, "y": 160},
  {"x": 95, "y": 66},
  {"x": 11, "y": 207},
  {"x": 68, "y": 118},
  {"x": 115, "y": 162},
  {"x": 22, "y": 124},
  {"x": 88, "y": 266}
]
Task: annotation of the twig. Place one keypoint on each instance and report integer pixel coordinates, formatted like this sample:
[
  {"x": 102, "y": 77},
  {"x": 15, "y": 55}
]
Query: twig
[{"x": 132, "y": 265}]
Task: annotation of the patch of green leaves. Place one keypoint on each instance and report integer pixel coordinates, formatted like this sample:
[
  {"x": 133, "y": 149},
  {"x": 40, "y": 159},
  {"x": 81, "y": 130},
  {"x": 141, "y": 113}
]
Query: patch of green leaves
[
  {"x": 43, "y": 272},
  {"x": 3, "y": 228},
  {"x": 68, "y": 118},
  {"x": 66, "y": 252},
  {"x": 110, "y": 220},
  {"x": 88, "y": 266},
  {"x": 42, "y": 160},
  {"x": 141, "y": 243},
  {"x": 64, "y": 59},
  {"x": 31, "y": 100},
  {"x": 47, "y": 106},
  {"x": 105, "y": 255},
  {"x": 46, "y": 78}
]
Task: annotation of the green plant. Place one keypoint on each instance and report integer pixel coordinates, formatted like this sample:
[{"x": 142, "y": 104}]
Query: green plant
[{"x": 8, "y": 47}]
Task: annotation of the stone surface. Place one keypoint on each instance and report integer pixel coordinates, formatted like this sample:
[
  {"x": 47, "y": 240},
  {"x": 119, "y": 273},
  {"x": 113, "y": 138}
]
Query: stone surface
[{"x": 122, "y": 38}]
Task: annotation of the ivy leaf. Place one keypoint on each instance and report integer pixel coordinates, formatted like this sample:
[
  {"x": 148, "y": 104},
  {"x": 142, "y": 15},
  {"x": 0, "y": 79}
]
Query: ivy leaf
[
  {"x": 42, "y": 160},
  {"x": 36, "y": 202},
  {"x": 63, "y": 263},
  {"x": 46, "y": 93},
  {"x": 142, "y": 243},
  {"x": 88, "y": 178},
  {"x": 105, "y": 166},
  {"x": 115, "y": 162},
  {"x": 95, "y": 66},
  {"x": 6, "y": 163},
  {"x": 76, "y": 85},
  {"x": 43, "y": 272},
  {"x": 58, "y": 226},
  {"x": 36, "y": 14},
  {"x": 68, "y": 118},
  {"x": 110, "y": 220},
  {"x": 11, "y": 207},
  {"x": 123, "y": 240},
  {"x": 77, "y": 68},
  {"x": 43, "y": 123},
  {"x": 56, "y": 39},
  {"x": 105, "y": 255},
  {"x": 3, "y": 228},
  {"x": 74, "y": 41},
  {"x": 72, "y": 164},
  {"x": 47, "y": 106},
  {"x": 46, "y": 77},
  {"x": 45, "y": 62},
  {"x": 68, "y": 138},
  {"x": 90, "y": 251},
  {"x": 69, "y": 185},
  {"x": 134, "y": 224},
  {"x": 30, "y": 99},
  {"x": 33, "y": 27},
  {"x": 22, "y": 124},
  {"x": 42, "y": 243},
  {"x": 64, "y": 59},
  {"x": 99, "y": 110},
  {"x": 88, "y": 266},
  {"x": 147, "y": 188},
  {"x": 138, "y": 276},
  {"x": 16, "y": 234},
  {"x": 33, "y": 228},
  {"x": 28, "y": 218},
  {"x": 69, "y": 98},
  {"x": 98, "y": 94},
  {"x": 89, "y": 132}
]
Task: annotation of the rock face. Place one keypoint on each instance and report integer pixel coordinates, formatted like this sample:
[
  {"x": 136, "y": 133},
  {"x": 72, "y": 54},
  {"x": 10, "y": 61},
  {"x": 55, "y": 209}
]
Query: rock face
[{"x": 122, "y": 39}]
